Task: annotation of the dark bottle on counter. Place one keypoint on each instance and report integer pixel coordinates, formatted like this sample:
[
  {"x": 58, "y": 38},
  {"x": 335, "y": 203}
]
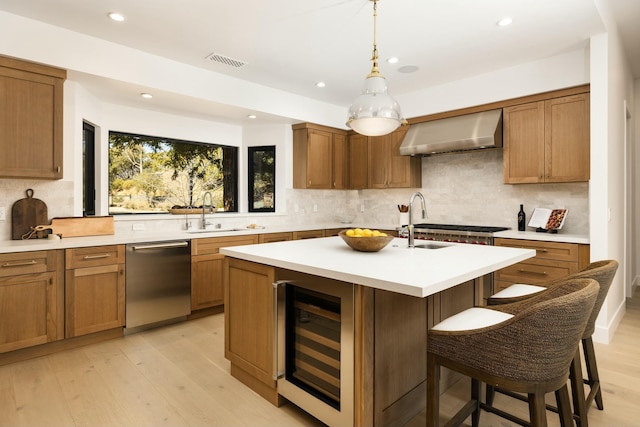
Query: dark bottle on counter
[{"x": 522, "y": 219}]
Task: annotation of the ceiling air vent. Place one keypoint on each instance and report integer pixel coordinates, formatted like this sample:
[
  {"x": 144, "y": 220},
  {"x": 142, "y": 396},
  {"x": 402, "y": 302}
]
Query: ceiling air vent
[{"x": 221, "y": 59}]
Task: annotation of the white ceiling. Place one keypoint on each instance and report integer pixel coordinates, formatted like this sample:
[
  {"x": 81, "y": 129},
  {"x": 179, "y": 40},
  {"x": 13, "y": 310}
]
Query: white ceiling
[{"x": 291, "y": 44}]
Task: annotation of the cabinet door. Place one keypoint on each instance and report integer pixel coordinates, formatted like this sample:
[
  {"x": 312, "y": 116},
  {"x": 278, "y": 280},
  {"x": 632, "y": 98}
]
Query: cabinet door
[
  {"x": 249, "y": 318},
  {"x": 567, "y": 139},
  {"x": 207, "y": 289},
  {"x": 378, "y": 159},
  {"x": 358, "y": 161},
  {"x": 401, "y": 170},
  {"x": 95, "y": 299},
  {"x": 340, "y": 162},
  {"x": 206, "y": 281},
  {"x": 28, "y": 310},
  {"x": 31, "y": 113},
  {"x": 319, "y": 159},
  {"x": 523, "y": 140}
]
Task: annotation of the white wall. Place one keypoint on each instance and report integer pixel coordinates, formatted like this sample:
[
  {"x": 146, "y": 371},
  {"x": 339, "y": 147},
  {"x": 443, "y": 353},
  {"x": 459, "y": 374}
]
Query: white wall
[{"x": 611, "y": 89}]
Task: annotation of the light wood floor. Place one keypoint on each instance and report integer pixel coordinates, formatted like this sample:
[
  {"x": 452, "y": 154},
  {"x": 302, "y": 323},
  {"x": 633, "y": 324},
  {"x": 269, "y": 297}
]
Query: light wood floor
[{"x": 177, "y": 376}]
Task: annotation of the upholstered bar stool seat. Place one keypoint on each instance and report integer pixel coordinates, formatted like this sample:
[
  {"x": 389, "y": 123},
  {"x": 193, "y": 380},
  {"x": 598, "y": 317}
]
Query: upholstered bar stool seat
[
  {"x": 527, "y": 352},
  {"x": 517, "y": 290}
]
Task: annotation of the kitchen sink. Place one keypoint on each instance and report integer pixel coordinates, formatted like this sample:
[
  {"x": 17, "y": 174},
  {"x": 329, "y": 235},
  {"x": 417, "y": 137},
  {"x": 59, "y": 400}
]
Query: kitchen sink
[
  {"x": 214, "y": 230},
  {"x": 431, "y": 246}
]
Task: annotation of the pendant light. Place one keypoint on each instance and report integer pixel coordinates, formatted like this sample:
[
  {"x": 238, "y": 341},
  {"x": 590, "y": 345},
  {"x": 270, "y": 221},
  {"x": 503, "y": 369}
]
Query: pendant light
[{"x": 375, "y": 112}]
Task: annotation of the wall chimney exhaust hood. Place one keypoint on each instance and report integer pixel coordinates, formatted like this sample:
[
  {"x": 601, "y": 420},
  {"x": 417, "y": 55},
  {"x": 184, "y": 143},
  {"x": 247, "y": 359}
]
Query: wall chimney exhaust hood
[{"x": 461, "y": 133}]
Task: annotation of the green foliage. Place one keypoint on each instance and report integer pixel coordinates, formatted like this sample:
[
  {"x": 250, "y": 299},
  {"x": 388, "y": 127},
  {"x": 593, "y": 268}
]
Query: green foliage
[{"x": 150, "y": 174}]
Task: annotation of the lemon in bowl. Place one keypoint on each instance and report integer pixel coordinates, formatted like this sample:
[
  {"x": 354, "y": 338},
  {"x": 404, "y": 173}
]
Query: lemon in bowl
[{"x": 365, "y": 240}]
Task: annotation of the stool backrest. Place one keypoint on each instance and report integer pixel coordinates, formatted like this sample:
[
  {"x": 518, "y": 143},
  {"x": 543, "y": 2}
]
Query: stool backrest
[{"x": 603, "y": 272}]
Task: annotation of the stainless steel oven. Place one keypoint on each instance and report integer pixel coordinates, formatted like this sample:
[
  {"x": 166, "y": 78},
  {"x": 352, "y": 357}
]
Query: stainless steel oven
[{"x": 315, "y": 347}]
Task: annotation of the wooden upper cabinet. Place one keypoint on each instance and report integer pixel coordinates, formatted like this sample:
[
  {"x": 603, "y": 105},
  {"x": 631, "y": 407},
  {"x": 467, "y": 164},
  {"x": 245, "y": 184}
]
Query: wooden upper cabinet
[
  {"x": 340, "y": 162},
  {"x": 358, "y": 170},
  {"x": 387, "y": 168},
  {"x": 319, "y": 157},
  {"x": 523, "y": 141},
  {"x": 31, "y": 107},
  {"x": 547, "y": 141},
  {"x": 567, "y": 139}
]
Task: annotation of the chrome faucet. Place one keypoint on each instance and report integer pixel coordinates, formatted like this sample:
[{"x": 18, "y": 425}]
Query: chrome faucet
[
  {"x": 204, "y": 206},
  {"x": 424, "y": 214}
]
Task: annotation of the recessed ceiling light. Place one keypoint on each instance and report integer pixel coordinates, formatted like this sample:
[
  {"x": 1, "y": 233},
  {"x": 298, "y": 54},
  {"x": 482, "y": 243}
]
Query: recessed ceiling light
[
  {"x": 320, "y": 84},
  {"x": 505, "y": 21},
  {"x": 392, "y": 60},
  {"x": 146, "y": 95},
  {"x": 252, "y": 116},
  {"x": 116, "y": 16}
]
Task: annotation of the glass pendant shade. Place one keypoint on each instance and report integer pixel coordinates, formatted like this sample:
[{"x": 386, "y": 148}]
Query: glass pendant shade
[{"x": 374, "y": 112}]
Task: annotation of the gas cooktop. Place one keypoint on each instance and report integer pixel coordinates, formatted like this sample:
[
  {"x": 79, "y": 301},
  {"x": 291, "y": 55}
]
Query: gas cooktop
[{"x": 455, "y": 227}]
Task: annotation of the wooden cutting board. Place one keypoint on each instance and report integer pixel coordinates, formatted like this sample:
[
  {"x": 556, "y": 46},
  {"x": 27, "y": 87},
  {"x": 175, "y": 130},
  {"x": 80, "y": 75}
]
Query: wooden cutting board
[
  {"x": 27, "y": 213},
  {"x": 80, "y": 226}
]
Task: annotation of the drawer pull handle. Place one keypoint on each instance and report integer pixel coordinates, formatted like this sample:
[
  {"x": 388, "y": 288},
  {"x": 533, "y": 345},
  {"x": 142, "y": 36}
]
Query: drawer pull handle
[
  {"x": 19, "y": 264},
  {"x": 542, "y": 250},
  {"x": 542, "y": 273},
  {"x": 96, "y": 256}
]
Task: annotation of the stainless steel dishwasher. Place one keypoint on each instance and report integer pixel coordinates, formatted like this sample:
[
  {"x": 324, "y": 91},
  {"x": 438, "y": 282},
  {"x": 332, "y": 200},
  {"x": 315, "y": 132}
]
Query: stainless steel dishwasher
[{"x": 158, "y": 284}]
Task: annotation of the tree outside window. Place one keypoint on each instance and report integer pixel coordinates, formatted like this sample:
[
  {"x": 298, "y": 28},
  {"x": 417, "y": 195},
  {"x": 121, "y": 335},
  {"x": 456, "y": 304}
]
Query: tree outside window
[
  {"x": 262, "y": 179},
  {"x": 154, "y": 175}
]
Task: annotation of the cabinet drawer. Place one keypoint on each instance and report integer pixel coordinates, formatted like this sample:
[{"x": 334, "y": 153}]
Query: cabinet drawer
[
  {"x": 275, "y": 237},
  {"x": 212, "y": 245},
  {"x": 309, "y": 234},
  {"x": 544, "y": 250},
  {"x": 539, "y": 271},
  {"x": 26, "y": 263},
  {"x": 94, "y": 256}
]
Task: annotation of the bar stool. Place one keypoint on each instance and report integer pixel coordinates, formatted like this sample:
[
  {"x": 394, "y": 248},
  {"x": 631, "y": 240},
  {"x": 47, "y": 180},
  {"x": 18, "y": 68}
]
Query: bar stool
[
  {"x": 512, "y": 300},
  {"x": 528, "y": 352}
]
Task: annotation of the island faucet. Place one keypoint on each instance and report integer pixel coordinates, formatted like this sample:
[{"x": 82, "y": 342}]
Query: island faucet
[
  {"x": 424, "y": 214},
  {"x": 204, "y": 206}
]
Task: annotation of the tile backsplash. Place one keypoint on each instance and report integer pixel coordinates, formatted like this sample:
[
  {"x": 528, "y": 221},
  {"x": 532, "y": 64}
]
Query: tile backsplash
[{"x": 464, "y": 188}]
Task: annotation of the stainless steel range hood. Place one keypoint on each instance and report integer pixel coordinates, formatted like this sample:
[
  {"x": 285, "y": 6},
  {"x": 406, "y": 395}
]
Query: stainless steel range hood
[{"x": 460, "y": 133}]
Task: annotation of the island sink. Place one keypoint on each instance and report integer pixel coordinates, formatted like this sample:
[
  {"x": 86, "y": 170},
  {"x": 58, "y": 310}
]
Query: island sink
[{"x": 431, "y": 246}]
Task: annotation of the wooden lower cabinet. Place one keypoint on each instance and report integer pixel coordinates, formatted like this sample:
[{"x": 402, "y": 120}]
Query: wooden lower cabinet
[
  {"x": 553, "y": 260},
  {"x": 94, "y": 289},
  {"x": 207, "y": 269},
  {"x": 249, "y": 325},
  {"x": 31, "y": 299}
]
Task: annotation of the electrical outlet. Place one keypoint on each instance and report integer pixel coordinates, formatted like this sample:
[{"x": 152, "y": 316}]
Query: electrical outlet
[
  {"x": 315, "y": 207},
  {"x": 362, "y": 207},
  {"x": 3, "y": 213},
  {"x": 138, "y": 227}
]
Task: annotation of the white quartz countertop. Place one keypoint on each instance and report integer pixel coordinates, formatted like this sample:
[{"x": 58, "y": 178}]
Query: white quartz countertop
[
  {"x": 396, "y": 268},
  {"x": 546, "y": 237}
]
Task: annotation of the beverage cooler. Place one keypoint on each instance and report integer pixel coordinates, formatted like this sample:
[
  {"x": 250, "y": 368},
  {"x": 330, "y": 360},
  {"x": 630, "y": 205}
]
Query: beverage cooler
[{"x": 315, "y": 360}]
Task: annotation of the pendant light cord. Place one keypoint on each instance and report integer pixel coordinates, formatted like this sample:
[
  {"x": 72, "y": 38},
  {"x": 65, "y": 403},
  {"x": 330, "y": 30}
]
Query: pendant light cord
[{"x": 375, "y": 72}]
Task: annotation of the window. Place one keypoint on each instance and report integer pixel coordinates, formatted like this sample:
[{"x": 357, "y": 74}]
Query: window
[
  {"x": 88, "y": 170},
  {"x": 262, "y": 179},
  {"x": 149, "y": 174}
]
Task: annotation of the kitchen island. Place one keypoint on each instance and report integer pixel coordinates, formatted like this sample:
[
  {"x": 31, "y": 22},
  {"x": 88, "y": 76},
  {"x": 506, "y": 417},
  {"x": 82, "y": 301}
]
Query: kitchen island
[{"x": 397, "y": 294}]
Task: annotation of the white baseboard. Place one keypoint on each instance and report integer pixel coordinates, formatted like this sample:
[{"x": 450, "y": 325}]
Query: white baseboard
[{"x": 604, "y": 335}]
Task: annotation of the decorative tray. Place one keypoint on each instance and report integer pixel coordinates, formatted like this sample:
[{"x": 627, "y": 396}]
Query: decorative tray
[{"x": 186, "y": 211}]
